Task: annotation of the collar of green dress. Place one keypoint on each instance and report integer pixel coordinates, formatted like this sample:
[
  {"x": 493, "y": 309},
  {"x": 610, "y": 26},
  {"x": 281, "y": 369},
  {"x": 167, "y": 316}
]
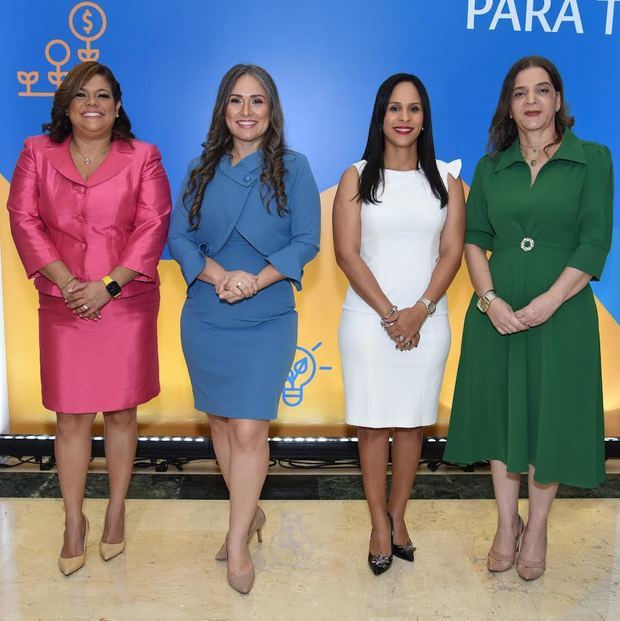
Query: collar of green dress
[{"x": 571, "y": 149}]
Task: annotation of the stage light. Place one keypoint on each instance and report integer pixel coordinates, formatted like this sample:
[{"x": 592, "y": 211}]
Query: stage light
[{"x": 321, "y": 449}]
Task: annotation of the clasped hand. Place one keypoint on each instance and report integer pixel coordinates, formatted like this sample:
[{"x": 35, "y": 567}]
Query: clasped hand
[
  {"x": 86, "y": 299},
  {"x": 236, "y": 285},
  {"x": 507, "y": 321},
  {"x": 404, "y": 327},
  {"x": 538, "y": 310}
]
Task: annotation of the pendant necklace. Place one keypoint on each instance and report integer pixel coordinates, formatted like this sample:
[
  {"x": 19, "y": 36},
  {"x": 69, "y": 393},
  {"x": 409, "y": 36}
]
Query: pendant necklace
[
  {"x": 532, "y": 162},
  {"x": 89, "y": 160}
]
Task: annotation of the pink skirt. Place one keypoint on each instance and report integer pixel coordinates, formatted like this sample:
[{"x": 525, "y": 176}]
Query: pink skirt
[{"x": 99, "y": 366}]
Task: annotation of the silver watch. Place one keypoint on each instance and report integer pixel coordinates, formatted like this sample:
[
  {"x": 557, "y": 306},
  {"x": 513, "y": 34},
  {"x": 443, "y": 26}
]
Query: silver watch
[{"x": 431, "y": 307}]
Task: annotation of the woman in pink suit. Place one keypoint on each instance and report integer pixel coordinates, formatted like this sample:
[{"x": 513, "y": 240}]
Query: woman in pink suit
[{"x": 89, "y": 209}]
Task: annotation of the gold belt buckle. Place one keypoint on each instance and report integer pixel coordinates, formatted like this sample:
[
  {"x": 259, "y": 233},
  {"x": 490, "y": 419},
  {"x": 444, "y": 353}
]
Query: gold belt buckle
[{"x": 527, "y": 243}]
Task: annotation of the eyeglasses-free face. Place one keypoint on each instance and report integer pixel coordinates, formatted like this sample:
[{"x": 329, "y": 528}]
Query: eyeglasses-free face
[
  {"x": 92, "y": 111},
  {"x": 404, "y": 116},
  {"x": 247, "y": 113},
  {"x": 534, "y": 100}
]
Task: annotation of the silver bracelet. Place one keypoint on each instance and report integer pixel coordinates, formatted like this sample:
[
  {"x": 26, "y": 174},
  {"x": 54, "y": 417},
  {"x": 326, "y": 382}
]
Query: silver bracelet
[{"x": 385, "y": 320}]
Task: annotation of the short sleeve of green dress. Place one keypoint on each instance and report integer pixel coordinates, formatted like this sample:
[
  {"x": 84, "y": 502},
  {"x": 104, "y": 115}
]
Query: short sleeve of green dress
[{"x": 535, "y": 397}]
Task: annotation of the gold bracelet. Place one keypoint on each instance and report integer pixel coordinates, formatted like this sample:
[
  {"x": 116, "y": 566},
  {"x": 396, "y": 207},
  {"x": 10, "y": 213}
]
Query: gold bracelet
[{"x": 61, "y": 287}]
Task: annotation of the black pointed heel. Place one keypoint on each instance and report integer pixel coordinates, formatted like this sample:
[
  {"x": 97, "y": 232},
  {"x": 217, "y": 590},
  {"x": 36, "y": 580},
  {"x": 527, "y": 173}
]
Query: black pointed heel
[
  {"x": 379, "y": 563},
  {"x": 406, "y": 551}
]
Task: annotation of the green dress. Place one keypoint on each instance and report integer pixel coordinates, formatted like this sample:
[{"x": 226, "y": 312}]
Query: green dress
[{"x": 535, "y": 397}]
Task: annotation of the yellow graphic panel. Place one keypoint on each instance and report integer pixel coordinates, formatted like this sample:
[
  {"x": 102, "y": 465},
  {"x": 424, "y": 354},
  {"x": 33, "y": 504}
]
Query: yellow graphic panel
[{"x": 313, "y": 401}]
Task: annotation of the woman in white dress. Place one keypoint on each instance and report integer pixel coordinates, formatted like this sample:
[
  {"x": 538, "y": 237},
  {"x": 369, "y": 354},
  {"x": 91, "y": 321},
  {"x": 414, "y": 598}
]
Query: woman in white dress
[{"x": 399, "y": 226}]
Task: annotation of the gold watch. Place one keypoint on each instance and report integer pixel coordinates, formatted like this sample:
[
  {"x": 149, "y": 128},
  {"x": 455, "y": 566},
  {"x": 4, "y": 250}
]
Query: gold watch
[{"x": 484, "y": 301}]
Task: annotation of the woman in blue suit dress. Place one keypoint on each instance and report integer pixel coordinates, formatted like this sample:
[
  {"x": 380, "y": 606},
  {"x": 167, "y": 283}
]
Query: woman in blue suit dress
[{"x": 245, "y": 224}]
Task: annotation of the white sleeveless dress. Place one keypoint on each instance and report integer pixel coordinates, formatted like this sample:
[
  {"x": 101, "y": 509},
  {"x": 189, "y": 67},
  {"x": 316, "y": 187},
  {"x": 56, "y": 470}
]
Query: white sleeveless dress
[{"x": 400, "y": 238}]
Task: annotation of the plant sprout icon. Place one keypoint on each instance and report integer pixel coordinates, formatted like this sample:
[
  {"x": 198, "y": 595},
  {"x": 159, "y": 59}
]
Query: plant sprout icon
[{"x": 301, "y": 374}]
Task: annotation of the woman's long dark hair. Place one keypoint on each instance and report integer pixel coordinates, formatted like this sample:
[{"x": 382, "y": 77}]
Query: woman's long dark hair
[
  {"x": 219, "y": 143},
  {"x": 60, "y": 126},
  {"x": 373, "y": 176},
  {"x": 503, "y": 130}
]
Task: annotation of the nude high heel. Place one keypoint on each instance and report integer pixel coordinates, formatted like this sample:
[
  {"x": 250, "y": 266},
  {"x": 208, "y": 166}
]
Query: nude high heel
[
  {"x": 497, "y": 562},
  {"x": 531, "y": 570},
  {"x": 70, "y": 565},
  {"x": 255, "y": 527},
  {"x": 109, "y": 550},
  {"x": 242, "y": 583}
]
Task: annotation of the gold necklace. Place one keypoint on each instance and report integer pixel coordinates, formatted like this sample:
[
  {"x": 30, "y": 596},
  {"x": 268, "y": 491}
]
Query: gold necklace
[
  {"x": 89, "y": 160},
  {"x": 533, "y": 161}
]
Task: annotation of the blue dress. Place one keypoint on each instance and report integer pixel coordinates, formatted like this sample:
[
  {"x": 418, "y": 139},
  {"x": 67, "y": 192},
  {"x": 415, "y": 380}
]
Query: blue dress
[{"x": 239, "y": 355}]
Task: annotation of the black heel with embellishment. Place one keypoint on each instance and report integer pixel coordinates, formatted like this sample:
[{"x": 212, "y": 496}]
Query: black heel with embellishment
[
  {"x": 406, "y": 551},
  {"x": 379, "y": 563}
]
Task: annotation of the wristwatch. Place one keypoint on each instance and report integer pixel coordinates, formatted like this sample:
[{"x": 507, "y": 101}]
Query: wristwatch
[
  {"x": 484, "y": 301},
  {"x": 431, "y": 307},
  {"x": 114, "y": 289}
]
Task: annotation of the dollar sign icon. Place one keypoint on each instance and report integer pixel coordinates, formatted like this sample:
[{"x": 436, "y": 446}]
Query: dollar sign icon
[{"x": 87, "y": 21}]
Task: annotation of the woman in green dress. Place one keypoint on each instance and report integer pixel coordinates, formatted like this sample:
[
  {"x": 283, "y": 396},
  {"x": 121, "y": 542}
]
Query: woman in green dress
[{"x": 528, "y": 394}]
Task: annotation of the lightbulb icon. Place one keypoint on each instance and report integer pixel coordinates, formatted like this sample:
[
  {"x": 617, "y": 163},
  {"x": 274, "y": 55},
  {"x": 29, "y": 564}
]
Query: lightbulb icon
[{"x": 302, "y": 372}]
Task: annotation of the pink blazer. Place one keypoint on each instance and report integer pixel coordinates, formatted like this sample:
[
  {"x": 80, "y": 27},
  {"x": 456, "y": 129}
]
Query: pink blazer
[{"x": 118, "y": 217}]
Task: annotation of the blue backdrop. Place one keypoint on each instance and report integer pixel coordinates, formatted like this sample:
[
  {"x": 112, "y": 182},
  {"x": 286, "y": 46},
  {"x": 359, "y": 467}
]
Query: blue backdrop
[{"x": 328, "y": 58}]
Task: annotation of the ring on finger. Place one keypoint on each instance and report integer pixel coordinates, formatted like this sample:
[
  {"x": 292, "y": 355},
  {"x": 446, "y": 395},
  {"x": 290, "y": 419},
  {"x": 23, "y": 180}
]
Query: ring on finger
[
  {"x": 85, "y": 307},
  {"x": 401, "y": 338}
]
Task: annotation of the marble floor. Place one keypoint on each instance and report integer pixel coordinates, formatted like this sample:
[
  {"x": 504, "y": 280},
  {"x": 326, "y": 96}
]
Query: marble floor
[{"x": 311, "y": 565}]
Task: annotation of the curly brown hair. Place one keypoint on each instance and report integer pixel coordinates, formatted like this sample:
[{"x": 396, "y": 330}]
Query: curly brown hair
[
  {"x": 60, "y": 126},
  {"x": 503, "y": 130},
  {"x": 219, "y": 143}
]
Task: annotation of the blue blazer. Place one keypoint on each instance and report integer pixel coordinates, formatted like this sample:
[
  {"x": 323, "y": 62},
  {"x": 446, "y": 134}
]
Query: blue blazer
[{"x": 233, "y": 199}]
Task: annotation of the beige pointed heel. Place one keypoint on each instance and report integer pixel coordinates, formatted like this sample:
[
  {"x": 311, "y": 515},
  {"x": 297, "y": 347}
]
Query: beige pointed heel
[
  {"x": 70, "y": 565},
  {"x": 109, "y": 550},
  {"x": 242, "y": 583},
  {"x": 255, "y": 527},
  {"x": 497, "y": 562}
]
